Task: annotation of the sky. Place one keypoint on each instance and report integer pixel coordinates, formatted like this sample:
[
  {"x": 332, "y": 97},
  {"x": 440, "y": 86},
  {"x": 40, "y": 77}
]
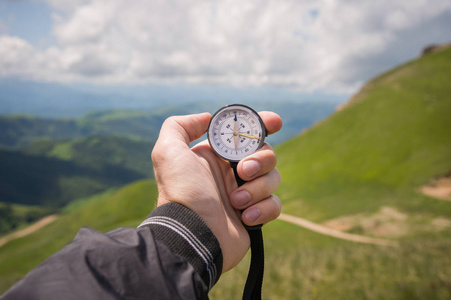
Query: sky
[{"x": 321, "y": 46}]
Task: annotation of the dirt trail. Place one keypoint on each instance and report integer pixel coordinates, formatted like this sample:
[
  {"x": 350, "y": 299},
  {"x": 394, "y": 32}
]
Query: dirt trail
[
  {"x": 439, "y": 188},
  {"x": 284, "y": 217},
  {"x": 28, "y": 230},
  {"x": 441, "y": 193},
  {"x": 335, "y": 233}
]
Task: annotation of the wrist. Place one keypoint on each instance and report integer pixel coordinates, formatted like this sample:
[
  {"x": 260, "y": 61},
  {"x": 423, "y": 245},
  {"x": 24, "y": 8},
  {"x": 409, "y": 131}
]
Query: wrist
[
  {"x": 225, "y": 224},
  {"x": 187, "y": 235}
]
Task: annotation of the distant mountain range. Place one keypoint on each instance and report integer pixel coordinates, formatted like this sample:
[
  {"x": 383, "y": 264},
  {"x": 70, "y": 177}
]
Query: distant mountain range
[
  {"x": 50, "y": 162},
  {"x": 51, "y": 100},
  {"x": 20, "y": 130},
  {"x": 62, "y": 142}
]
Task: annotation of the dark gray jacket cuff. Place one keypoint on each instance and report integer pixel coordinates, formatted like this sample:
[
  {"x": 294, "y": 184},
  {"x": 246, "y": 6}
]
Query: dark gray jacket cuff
[{"x": 187, "y": 235}]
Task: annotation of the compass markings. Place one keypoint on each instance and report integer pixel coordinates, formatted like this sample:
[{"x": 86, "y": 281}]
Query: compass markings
[{"x": 232, "y": 123}]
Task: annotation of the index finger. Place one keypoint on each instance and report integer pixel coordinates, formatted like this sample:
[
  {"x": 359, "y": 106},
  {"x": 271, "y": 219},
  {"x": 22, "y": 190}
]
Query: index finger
[{"x": 272, "y": 121}]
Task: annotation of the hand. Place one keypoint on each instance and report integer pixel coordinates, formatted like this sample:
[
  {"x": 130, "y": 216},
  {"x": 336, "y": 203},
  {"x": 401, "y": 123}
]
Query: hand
[{"x": 205, "y": 183}]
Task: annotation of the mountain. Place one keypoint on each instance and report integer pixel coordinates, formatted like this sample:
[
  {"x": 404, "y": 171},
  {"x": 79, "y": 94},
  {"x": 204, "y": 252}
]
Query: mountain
[
  {"x": 71, "y": 158},
  {"x": 52, "y": 173},
  {"x": 18, "y": 131},
  {"x": 360, "y": 169},
  {"x": 388, "y": 141},
  {"x": 52, "y": 100},
  {"x": 96, "y": 152}
]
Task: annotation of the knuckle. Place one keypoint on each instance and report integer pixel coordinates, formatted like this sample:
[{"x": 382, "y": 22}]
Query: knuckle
[
  {"x": 275, "y": 212},
  {"x": 155, "y": 155},
  {"x": 278, "y": 176},
  {"x": 273, "y": 159},
  {"x": 268, "y": 146},
  {"x": 158, "y": 153},
  {"x": 170, "y": 120},
  {"x": 273, "y": 180}
]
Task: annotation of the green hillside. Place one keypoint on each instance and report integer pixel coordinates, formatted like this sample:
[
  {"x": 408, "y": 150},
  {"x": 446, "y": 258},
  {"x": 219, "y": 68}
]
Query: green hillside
[
  {"x": 362, "y": 166},
  {"x": 129, "y": 123},
  {"x": 361, "y": 170},
  {"x": 125, "y": 207},
  {"x": 95, "y": 152},
  {"x": 53, "y": 173},
  {"x": 393, "y": 137},
  {"x": 20, "y": 131},
  {"x": 299, "y": 264},
  {"x": 16, "y": 216}
]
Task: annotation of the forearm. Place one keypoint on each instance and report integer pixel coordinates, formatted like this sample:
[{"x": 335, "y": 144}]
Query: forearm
[{"x": 172, "y": 255}]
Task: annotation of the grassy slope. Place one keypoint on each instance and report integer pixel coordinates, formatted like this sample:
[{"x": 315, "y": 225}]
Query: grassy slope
[
  {"x": 42, "y": 180},
  {"x": 20, "y": 131},
  {"x": 95, "y": 152},
  {"x": 18, "y": 216},
  {"x": 133, "y": 124},
  {"x": 112, "y": 209},
  {"x": 299, "y": 263},
  {"x": 392, "y": 138},
  {"x": 366, "y": 156},
  {"x": 303, "y": 265}
]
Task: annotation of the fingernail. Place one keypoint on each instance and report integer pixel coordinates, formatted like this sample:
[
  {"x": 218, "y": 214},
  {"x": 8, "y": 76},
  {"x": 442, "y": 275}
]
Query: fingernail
[
  {"x": 251, "y": 167},
  {"x": 252, "y": 214},
  {"x": 241, "y": 198}
]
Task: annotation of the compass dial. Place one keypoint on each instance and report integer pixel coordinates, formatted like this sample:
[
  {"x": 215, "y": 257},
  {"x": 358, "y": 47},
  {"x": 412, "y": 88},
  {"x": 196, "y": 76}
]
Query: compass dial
[{"x": 235, "y": 131}]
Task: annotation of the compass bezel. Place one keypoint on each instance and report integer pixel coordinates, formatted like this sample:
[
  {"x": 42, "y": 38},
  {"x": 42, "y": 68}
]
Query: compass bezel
[{"x": 231, "y": 107}]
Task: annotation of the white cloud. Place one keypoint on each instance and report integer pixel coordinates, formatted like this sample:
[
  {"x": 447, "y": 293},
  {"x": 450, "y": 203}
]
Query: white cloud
[
  {"x": 17, "y": 56},
  {"x": 307, "y": 45}
]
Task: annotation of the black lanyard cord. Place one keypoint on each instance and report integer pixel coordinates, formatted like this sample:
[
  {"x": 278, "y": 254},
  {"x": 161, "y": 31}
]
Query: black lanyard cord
[{"x": 253, "y": 287}]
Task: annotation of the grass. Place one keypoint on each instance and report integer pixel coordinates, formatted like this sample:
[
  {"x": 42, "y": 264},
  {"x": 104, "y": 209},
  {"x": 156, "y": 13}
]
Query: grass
[
  {"x": 299, "y": 264},
  {"x": 97, "y": 151},
  {"x": 63, "y": 151},
  {"x": 304, "y": 265},
  {"x": 14, "y": 217},
  {"x": 113, "y": 115},
  {"x": 392, "y": 138},
  {"x": 104, "y": 212}
]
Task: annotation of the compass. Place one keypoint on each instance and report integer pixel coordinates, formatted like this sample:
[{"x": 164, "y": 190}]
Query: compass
[{"x": 235, "y": 131}]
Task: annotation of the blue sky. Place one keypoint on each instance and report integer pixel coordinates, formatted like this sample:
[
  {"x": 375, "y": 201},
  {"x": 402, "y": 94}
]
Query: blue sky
[
  {"x": 30, "y": 20},
  {"x": 305, "y": 47}
]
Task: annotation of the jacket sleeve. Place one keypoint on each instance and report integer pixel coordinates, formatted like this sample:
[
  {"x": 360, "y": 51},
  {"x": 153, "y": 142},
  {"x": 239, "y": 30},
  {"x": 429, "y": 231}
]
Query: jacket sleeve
[{"x": 171, "y": 255}]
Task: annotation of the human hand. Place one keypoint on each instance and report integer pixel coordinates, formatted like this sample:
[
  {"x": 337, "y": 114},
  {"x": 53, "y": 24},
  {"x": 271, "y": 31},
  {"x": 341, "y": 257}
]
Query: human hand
[{"x": 200, "y": 180}]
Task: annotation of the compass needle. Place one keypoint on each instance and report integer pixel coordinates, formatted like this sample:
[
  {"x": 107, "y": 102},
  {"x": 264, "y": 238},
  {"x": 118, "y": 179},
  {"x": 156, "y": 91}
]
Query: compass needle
[
  {"x": 235, "y": 133},
  {"x": 249, "y": 136}
]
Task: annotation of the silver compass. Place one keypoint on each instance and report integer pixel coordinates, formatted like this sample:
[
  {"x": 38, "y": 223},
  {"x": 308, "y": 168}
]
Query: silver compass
[{"x": 235, "y": 131}]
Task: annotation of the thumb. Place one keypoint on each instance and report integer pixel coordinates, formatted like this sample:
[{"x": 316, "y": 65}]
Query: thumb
[{"x": 184, "y": 128}]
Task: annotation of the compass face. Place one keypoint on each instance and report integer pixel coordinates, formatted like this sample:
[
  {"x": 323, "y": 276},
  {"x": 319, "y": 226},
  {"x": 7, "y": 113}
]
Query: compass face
[{"x": 235, "y": 131}]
